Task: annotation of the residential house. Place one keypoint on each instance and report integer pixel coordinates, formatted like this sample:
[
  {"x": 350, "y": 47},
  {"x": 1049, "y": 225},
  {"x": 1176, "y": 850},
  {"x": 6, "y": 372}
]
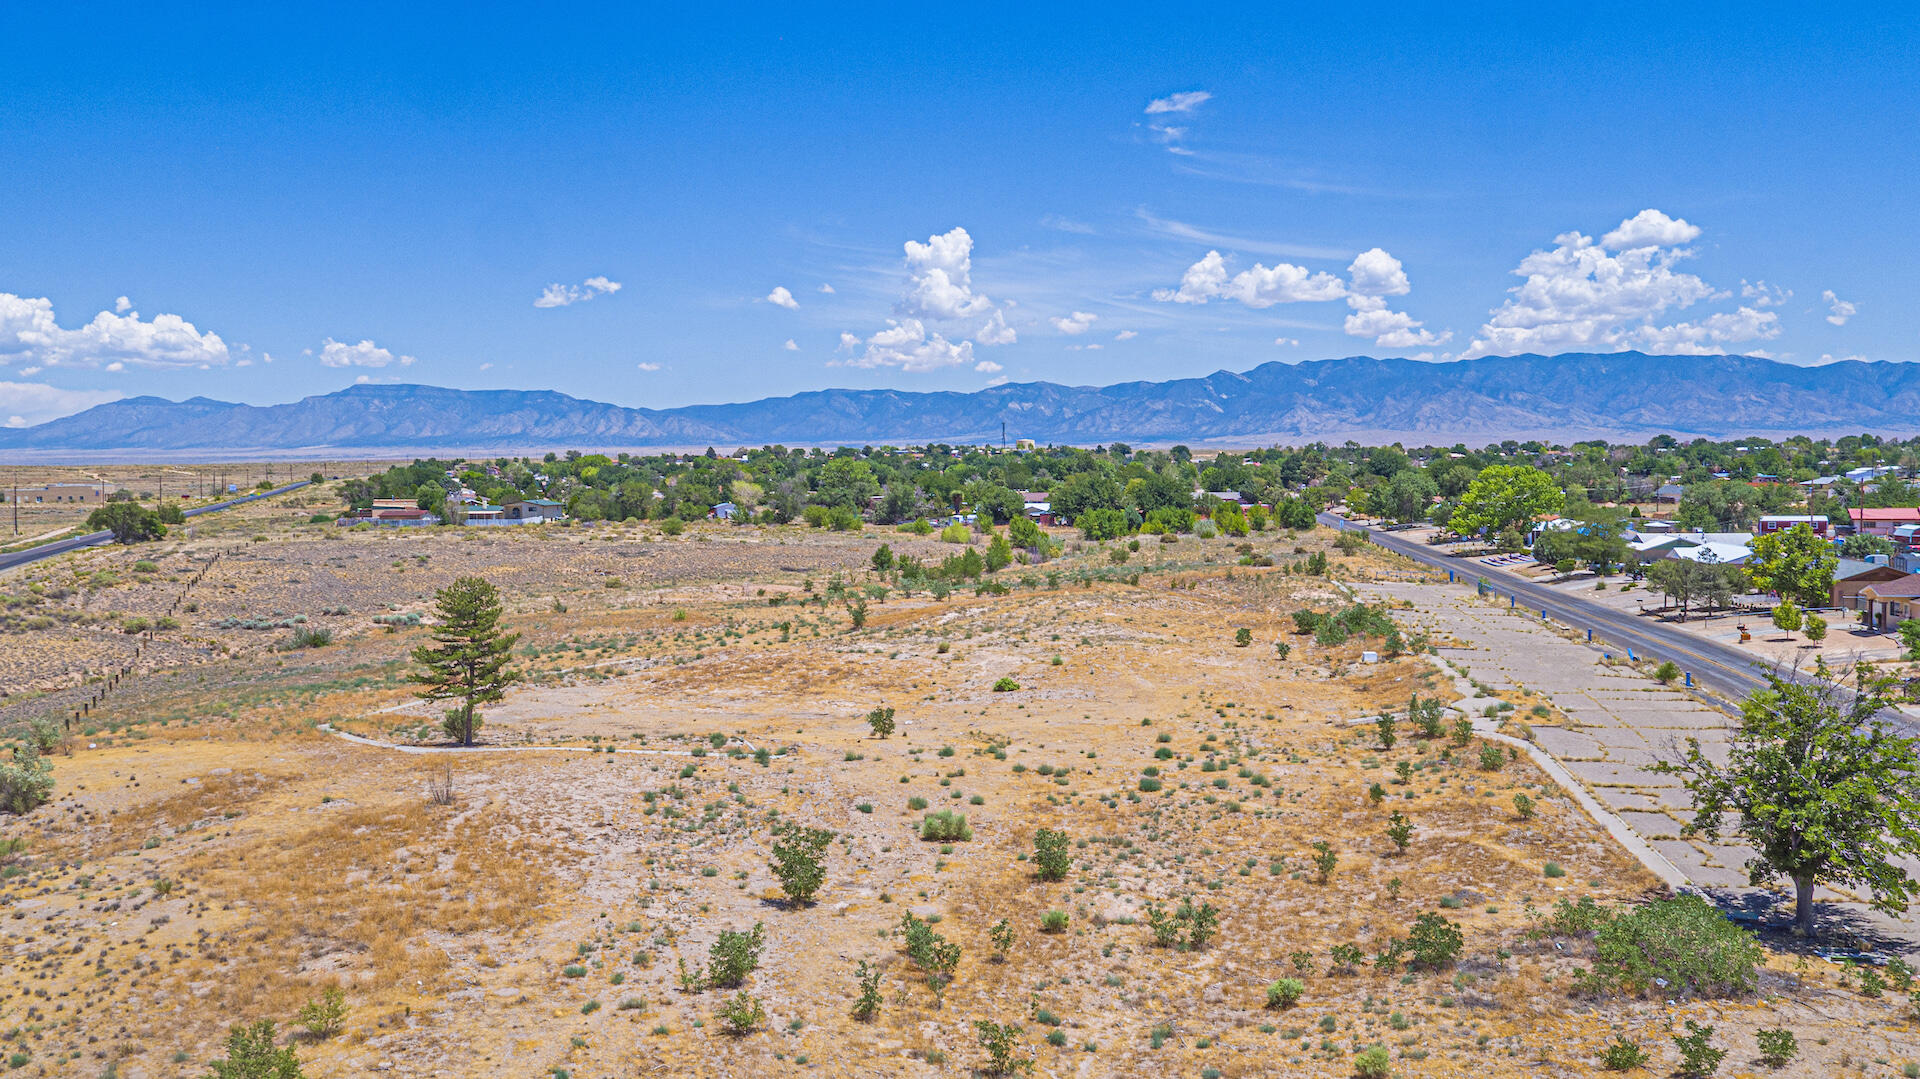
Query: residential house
[
  {"x": 723, "y": 511},
  {"x": 1669, "y": 492},
  {"x": 1885, "y": 604},
  {"x": 1882, "y": 521},
  {"x": 1851, "y": 575},
  {"x": 1781, "y": 522},
  {"x": 532, "y": 509}
]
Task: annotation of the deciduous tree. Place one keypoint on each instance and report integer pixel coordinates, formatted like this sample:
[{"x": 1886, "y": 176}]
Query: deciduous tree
[{"x": 1818, "y": 785}]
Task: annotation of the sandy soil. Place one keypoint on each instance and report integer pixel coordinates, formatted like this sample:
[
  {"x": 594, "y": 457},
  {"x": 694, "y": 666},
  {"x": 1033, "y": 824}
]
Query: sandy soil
[{"x": 213, "y": 857}]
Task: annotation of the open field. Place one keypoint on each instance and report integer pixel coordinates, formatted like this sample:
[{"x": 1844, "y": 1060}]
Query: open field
[
  {"x": 213, "y": 855},
  {"x": 188, "y": 484}
]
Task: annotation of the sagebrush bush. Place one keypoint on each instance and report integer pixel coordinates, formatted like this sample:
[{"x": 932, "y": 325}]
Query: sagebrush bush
[
  {"x": 1285, "y": 993},
  {"x": 945, "y": 826}
]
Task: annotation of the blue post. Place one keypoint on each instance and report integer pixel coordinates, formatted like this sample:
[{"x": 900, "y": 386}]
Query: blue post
[
  {"x": 1589, "y": 636},
  {"x": 1631, "y": 658},
  {"x": 1449, "y": 576},
  {"x": 1689, "y": 679},
  {"x": 1512, "y": 601}
]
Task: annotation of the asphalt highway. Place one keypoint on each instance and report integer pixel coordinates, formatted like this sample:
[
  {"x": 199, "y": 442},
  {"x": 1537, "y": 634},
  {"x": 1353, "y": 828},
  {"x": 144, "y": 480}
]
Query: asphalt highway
[
  {"x": 1711, "y": 663},
  {"x": 74, "y": 543}
]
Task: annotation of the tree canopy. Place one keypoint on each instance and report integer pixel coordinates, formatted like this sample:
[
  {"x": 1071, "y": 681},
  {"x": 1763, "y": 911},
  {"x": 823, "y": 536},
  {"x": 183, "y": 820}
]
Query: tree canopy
[
  {"x": 468, "y": 659},
  {"x": 1820, "y": 787},
  {"x": 1506, "y": 497}
]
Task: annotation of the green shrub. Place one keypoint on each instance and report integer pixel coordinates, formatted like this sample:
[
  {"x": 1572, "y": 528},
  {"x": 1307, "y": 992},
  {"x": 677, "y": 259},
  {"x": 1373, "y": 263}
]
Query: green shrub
[
  {"x": 1435, "y": 941},
  {"x": 1622, "y": 1054},
  {"x": 1285, "y": 993},
  {"x": 945, "y": 826},
  {"x": 743, "y": 1012},
  {"x": 1523, "y": 805},
  {"x": 1372, "y": 1063},
  {"x": 1187, "y": 927},
  {"x": 1684, "y": 942},
  {"x": 1053, "y": 921},
  {"x": 999, "y": 1040},
  {"x": 1005, "y": 685},
  {"x": 1698, "y": 1057},
  {"x": 253, "y": 1054},
  {"x": 1777, "y": 1047},
  {"x": 734, "y": 955},
  {"x": 324, "y": 1015},
  {"x": 1050, "y": 858},
  {"x": 798, "y": 860},
  {"x": 26, "y": 782}
]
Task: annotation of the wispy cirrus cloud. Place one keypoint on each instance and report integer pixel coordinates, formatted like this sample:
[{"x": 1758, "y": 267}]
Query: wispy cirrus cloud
[{"x": 1184, "y": 101}]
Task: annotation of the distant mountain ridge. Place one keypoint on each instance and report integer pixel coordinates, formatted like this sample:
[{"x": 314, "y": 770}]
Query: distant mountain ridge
[{"x": 1624, "y": 395}]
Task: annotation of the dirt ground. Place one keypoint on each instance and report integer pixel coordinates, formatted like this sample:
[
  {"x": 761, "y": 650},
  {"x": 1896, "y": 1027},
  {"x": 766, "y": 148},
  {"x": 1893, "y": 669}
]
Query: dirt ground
[{"x": 215, "y": 853}]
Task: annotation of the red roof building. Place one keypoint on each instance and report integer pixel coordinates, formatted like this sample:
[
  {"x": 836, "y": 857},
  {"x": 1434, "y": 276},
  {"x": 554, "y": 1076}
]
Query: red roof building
[{"x": 1882, "y": 521}]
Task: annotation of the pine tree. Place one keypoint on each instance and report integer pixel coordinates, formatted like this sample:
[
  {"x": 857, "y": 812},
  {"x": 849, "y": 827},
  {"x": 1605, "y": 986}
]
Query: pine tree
[{"x": 468, "y": 660}]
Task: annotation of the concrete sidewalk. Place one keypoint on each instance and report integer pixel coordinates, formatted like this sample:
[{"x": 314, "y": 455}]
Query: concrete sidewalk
[{"x": 1619, "y": 723}]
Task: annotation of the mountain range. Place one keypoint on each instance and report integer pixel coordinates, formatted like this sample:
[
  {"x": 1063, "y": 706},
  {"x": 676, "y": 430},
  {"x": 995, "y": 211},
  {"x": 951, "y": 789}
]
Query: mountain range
[{"x": 1621, "y": 395}]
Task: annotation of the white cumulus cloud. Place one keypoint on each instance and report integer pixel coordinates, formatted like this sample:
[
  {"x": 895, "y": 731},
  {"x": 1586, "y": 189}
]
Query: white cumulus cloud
[
  {"x": 996, "y": 332},
  {"x": 1287, "y": 342},
  {"x": 365, "y": 354},
  {"x": 1611, "y": 296},
  {"x": 826, "y": 288},
  {"x": 1125, "y": 335},
  {"x": 1184, "y": 101},
  {"x": 648, "y": 367},
  {"x": 941, "y": 278},
  {"x": 558, "y": 295},
  {"x": 1763, "y": 294},
  {"x": 122, "y": 305},
  {"x": 24, "y": 404},
  {"x": 29, "y": 335},
  {"x": 1650, "y": 228},
  {"x": 1075, "y": 324},
  {"x": 790, "y": 346},
  {"x": 987, "y": 367},
  {"x": 906, "y": 344},
  {"x": 780, "y": 297},
  {"x": 1376, "y": 273},
  {"x": 1258, "y": 286},
  {"x": 1840, "y": 309}
]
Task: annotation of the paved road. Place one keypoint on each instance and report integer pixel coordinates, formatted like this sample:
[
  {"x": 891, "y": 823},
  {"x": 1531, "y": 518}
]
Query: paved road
[
  {"x": 1710, "y": 662},
  {"x": 60, "y": 547}
]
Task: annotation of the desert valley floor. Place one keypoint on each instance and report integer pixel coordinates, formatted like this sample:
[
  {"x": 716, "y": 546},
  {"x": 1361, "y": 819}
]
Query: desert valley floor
[{"x": 219, "y": 850}]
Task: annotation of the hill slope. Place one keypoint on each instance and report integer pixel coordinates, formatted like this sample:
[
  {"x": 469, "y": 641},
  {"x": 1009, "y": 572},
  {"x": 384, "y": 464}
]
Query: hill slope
[{"x": 1620, "y": 395}]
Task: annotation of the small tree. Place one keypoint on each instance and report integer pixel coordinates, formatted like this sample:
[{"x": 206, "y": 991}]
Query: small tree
[
  {"x": 252, "y": 1054},
  {"x": 1786, "y": 617},
  {"x": 867, "y": 1004},
  {"x": 1000, "y": 1042},
  {"x": 1815, "y": 627},
  {"x": 1698, "y": 1057},
  {"x": 130, "y": 522},
  {"x": 1242, "y": 637},
  {"x": 1050, "y": 857},
  {"x": 1435, "y": 941},
  {"x": 324, "y": 1015},
  {"x": 1384, "y": 726},
  {"x": 881, "y": 720},
  {"x": 1910, "y": 637},
  {"x": 734, "y": 955},
  {"x": 883, "y": 559},
  {"x": 1001, "y": 934},
  {"x": 1285, "y": 992},
  {"x": 1822, "y": 790},
  {"x": 468, "y": 661},
  {"x": 798, "y": 860},
  {"x": 1325, "y": 859},
  {"x": 742, "y": 1013},
  {"x": 1400, "y": 830}
]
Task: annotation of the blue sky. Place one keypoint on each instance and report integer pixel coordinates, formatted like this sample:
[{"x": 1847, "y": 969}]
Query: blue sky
[{"x": 257, "y": 208}]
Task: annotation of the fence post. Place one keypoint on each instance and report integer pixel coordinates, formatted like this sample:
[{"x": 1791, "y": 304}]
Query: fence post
[{"x": 1689, "y": 679}]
